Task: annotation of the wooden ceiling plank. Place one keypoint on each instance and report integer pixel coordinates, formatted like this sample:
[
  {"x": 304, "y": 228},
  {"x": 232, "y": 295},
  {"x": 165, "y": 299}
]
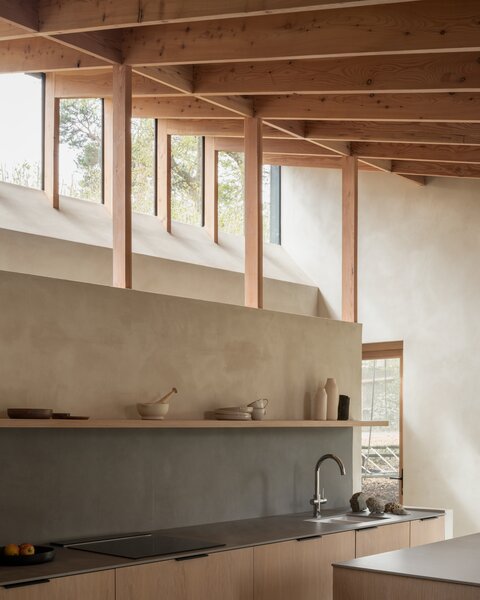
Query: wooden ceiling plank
[
  {"x": 379, "y": 165},
  {"x": 436, "y": 169},
  {"x": 236, "y": 104},
  {"x": 37, "y": 55},
  {"x": 20, "y": 13},
  {"x": 178, "y": 77},
  {"x": 58, "y": 16},
  {"x": 178, "y": 108},
  {"x": 322, "y": 162},
  {"x": 425, "y": 152},
  {"x": 105, "y": 45},
  {"x": 273, "y": 146},
  {"x": 458, "y": 107},
  {"x": 12, "y": 32},
  {"x": 421, "y": 133},
  {"x": 438, "y": 72},
  {"x": 425, "y": 26}
]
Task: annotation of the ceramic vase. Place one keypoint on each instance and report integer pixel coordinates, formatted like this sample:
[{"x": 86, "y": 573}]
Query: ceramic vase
[
  {"x": 332, "y": 399},
  {"x": 319, "y": 407}
]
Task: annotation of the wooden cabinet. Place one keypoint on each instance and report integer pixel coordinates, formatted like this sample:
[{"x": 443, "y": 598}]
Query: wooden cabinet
[
  {"x": 427, "y": 531},
  {"x": 91, "y": 586},
  {"x": 385, "y": 538},
  {"x": 300, "y": 569},
  {"x": 219, "y": 576}
]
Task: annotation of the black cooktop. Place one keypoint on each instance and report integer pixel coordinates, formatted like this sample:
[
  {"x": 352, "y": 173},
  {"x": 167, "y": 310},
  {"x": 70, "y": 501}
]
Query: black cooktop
[{"x": 144, "y": 546}]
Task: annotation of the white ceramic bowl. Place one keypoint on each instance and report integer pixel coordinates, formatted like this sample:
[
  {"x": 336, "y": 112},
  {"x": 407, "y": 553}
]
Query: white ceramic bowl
[{"x": 153, "y": 411}]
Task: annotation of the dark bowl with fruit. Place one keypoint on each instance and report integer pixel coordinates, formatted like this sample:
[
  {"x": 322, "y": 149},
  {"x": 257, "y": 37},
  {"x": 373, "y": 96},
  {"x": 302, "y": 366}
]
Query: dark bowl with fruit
[{"x": 25, "y": 554}]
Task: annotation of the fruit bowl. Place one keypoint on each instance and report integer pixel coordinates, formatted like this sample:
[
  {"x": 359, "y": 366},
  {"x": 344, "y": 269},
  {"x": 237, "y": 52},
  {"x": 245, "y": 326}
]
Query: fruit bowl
[{"x": 43, "y": 554}]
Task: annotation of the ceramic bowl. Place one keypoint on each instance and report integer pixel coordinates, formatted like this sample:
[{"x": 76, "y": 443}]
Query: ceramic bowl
[{"x": 153, "y": 411}]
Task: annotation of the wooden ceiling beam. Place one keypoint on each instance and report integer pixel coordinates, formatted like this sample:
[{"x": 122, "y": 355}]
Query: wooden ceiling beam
[
  {"x": 421, "y": 133},
  {"x": 436, "y": 169},
  {"x": 292, "y": 146},
  {"x": 178, "y": 77},
  {"x": 426, "y": 152},
  {"x": 20, "y": 13},
  {"x": 406, "y": 28},
  {"x": 458, "y": 107},
  {"x": 105, "y": 45},
  {"x": 178, "y": 108},
  {"x": 36, "y": 55},
  {"x": 439, "y": 72},
  {"x": 58, "y": 16},
  {"x": 322, "y": 162}
]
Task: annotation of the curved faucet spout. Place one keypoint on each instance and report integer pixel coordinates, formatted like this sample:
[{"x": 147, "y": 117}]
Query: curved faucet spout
[{"x": 317, "y": 499}]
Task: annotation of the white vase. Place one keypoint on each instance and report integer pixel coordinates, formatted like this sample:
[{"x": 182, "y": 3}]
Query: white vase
[
  {"x": 319, "y": 408},
  {"x": 332, "y": 399}
]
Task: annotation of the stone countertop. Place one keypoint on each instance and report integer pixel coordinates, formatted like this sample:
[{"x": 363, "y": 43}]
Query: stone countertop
[
  {"x": 453, "y": 561},
  {"x": 233, "y": 534}
]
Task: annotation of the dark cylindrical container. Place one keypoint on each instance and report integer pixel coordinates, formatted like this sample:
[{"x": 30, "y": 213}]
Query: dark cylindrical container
[{"x": 343, "y": 408}]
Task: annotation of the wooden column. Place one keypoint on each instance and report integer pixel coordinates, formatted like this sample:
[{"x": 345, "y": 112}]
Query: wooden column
[
  {"x": 164, "y": 175},
  {"x": 349, "y": 238},
  {"x": 122, "y": 175},
  {"x": 253, "y": 213},
  {"x": 108, "y": 153},
  {"x": 52, "y": 140},
  {"x": 211, "y": 189}
]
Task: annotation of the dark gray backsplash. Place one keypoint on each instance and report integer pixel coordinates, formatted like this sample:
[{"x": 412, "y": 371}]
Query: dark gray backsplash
[{"x": 60, "y": 483}]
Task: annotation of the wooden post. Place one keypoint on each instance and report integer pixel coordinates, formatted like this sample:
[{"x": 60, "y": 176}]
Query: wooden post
[
  {"x": 121, "y": 175},
  {"x": 164, "y": 175},
  {"x": 350, "y": 239},
  {"x": 108, "y": 153},
  {"x": 52, "y": 140},
  {"x": 253, "y": 213},
  {"x": 211, "y": 189}
]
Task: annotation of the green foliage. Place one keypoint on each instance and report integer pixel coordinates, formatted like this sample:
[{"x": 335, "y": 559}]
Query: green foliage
[
  {"x": 143, "y": 165},
  {"x": 26, "y": 174},
  {"x": 187, "y": 179},
  {"x": 231, "y": 192},
  {"x": 81, "y": 130}
]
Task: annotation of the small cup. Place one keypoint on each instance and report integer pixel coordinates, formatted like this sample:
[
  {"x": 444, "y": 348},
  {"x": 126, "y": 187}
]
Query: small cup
[
  {"x": 262, "y": 403},
  {"x": 258, "y": 414}
]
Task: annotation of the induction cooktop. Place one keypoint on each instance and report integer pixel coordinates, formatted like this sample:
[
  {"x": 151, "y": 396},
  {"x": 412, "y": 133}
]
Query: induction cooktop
[{"x": 144, "y": 546}]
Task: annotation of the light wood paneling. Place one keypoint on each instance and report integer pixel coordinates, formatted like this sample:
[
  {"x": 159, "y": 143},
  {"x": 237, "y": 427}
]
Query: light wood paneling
[
  {"x": 23, "y": 13},
  {"x": 52, "y": 141},
  {"x": 164, "y": 176},
  {"x": 300, "y": 569},
  {"x": 427, "y": 531},
  {"x": 253, "y": 214},
  {"x": 436, "y": 169},
  {"x": 121, "y": 176},
  {"x": 426, "y": 152},
  {"x": 219, "y": 576},
  {"x": 211, "y": 189},
  {"x": 91, "y": 586},
  {"x": 350, "y": 239},
  {"x": 179, "y": 108},
  {"x": 376, "y": 540},
  {"x": 353, "y": 584}
]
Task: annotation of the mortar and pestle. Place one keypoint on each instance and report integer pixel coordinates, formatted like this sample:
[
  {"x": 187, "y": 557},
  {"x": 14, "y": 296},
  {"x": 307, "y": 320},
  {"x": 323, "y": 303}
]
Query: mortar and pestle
[{"x": 156, "y": 409}]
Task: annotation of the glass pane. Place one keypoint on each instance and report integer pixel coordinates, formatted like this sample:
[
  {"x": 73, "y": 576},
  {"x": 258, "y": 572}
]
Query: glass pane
[
  {"x": 187, "y": 176},
  {"x": 81, "y": 148},
  {"x": 21, "y": 129},
  {"x": 143, "y": 166},
  {"x": 381, "y": 445},
  {"x": 231, "y": 192}
]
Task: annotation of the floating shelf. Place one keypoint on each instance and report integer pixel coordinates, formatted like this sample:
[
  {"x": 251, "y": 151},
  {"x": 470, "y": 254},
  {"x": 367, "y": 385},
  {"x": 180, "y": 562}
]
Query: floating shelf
[{"x": 176, "y": 424}]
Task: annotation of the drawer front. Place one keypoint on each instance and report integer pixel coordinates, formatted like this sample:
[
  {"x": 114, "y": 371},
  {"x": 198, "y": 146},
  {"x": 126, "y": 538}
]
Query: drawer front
[
  {"x": 91, "y": 586},
  {"x": 427, "y": 531},
  {"x": 382, "y": 539}
]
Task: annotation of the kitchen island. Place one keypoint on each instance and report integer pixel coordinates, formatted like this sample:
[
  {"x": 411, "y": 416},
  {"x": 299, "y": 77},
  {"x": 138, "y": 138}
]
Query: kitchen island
[{"x": 444, "y": 570}]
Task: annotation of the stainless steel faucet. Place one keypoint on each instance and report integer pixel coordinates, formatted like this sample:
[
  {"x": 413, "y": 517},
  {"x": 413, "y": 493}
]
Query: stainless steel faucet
[{"x": 318, "y": 499}]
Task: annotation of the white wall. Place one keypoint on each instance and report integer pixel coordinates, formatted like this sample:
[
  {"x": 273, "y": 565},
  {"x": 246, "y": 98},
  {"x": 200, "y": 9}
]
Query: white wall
[
  {"x": 419, "y": 281},
  {"x": 75, "y": 243}
]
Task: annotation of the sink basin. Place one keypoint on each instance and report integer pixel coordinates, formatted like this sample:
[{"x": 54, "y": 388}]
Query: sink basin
[{"x": 347, "y": 519}]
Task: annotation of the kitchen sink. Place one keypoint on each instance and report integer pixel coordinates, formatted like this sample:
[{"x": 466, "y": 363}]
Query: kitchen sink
[{"x": 348, "y": 519}]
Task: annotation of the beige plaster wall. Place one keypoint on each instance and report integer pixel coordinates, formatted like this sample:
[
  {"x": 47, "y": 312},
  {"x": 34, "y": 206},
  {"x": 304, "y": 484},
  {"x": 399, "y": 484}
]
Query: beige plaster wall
[
  {"x": 98, "y": 350},
  {"x": 419, "y": 281}
]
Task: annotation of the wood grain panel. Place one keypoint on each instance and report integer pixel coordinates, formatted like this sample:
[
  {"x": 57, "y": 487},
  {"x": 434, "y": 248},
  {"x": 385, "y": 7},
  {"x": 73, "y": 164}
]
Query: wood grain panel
[
  {"x": 219, "y": 576},
  {"x": 427, "y": 531},
  {"x": 94, "y": 586},
  {"x": 382, "y": 539}
]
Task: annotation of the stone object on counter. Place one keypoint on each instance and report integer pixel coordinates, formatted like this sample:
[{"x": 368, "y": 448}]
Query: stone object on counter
[
  {"x": 358, "y": 502},
  {"x": 395, "y": 509},
  {"x": 375, "y": 505}
]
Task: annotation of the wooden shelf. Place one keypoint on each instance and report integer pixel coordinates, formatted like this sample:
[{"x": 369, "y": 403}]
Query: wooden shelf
[{"x": 175, "y": 424}]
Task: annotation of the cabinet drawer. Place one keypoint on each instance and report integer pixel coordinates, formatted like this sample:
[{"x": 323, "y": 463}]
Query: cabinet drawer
[
  {"x": 382, "y": 539},
  {"x": 427, "y": 531},
  {"x": 219, "y": 576},
  {"x": 91, "y": 586}
]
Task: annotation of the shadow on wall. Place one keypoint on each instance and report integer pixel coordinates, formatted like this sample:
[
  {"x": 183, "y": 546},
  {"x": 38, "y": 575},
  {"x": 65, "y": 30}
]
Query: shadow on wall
[{"x": 323, "y": 309}]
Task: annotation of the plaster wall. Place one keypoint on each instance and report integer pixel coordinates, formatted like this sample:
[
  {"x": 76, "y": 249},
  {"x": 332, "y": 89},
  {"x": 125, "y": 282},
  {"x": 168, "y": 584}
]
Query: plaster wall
[{"x": 419, "y": 282}]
